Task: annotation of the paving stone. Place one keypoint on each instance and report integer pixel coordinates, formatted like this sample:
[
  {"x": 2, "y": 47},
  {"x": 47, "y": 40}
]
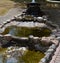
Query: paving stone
[
  {"x": 56, "y": 57},
  {"x": 57, "y": 62}
]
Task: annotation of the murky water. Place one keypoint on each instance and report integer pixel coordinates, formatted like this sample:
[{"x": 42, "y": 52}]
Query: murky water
[
  {"x": 26, "y": 58},
  {"x": 26, "y": 31}
]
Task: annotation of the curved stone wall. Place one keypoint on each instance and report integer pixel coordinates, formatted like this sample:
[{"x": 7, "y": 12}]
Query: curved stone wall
[{"x": 49, "y": 44}]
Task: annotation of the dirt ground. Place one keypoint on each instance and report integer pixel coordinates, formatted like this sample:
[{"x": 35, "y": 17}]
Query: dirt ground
[{"x": 5, "y": 5}]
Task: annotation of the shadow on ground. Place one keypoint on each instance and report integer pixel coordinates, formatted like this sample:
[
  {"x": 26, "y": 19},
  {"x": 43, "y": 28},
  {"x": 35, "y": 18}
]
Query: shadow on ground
[
  {"x": 25, "y": 0},
  {"x": 21, "y": 0}
]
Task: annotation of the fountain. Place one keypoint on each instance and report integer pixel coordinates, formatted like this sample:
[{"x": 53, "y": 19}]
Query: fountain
[
  {"x": 33, "y": 8},
  {"x": 32, "y": 31},
  {"x": 33, "y": 1}
]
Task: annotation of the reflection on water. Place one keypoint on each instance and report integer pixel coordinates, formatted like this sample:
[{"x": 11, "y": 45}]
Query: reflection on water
[
  {"x": 11, "y": 60},
  {"x": 7, "y": 60},
  {"x": 12, "y": 31},
  {"x": 4, "y": 59},
  {"x": 26, "y": 31},
  {"x": 26, "y": 58}
]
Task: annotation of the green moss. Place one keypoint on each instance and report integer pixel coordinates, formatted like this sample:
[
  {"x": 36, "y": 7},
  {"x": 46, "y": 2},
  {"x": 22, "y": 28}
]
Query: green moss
[
  {"x": 26, "y": 31},
  {"x": 6, "y": 31},
  {"x": 32, "y": 57}
]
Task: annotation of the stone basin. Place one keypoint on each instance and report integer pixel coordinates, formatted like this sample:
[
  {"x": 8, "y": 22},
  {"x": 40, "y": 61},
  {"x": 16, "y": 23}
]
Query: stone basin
[
  {"x": 28, "y": 34},
  {"x": 20, "y": 54},
  {"x": 26, "y": 31}
]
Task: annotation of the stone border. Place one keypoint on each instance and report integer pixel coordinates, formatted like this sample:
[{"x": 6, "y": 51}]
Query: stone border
[{"x": 50, "y": 52}]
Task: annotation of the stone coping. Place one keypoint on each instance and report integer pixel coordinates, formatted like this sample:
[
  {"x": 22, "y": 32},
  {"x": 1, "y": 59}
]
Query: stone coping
[
  {"x": 50, "y": 51},
  {"x": 41, "y": 20},
  {"x": 48, "y": 54}
]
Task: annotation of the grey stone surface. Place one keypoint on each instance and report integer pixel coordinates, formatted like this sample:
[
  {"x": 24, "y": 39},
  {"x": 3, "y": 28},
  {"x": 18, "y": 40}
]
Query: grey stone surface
[
  {"x": 43, "y": 60},
  {"x": 53, "y": 46}
]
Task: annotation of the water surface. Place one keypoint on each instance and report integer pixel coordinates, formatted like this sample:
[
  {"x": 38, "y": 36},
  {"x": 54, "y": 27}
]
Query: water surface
[{"x": 26, "y": 31}]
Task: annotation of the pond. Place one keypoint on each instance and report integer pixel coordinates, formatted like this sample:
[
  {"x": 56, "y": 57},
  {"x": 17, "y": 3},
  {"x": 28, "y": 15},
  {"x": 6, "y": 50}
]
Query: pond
[
  {"x": 33, "y": 56},
  {"x": 28, "y": 57},
  {"x": 26, "y": 31}
]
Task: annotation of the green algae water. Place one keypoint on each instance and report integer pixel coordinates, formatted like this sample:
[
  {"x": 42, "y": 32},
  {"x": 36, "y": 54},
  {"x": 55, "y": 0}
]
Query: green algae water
[
  {"x": 2, "y": 50},
  {"x": 26, "y": 31},
  {"x": 28, "y": 57},
  {"x": 33, "y": 57}
]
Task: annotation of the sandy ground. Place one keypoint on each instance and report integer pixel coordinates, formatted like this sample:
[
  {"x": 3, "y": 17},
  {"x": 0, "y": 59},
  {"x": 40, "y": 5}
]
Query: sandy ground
[
  {"x": 10, "y": 14},
  {"x": 5, "y": 5}
]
